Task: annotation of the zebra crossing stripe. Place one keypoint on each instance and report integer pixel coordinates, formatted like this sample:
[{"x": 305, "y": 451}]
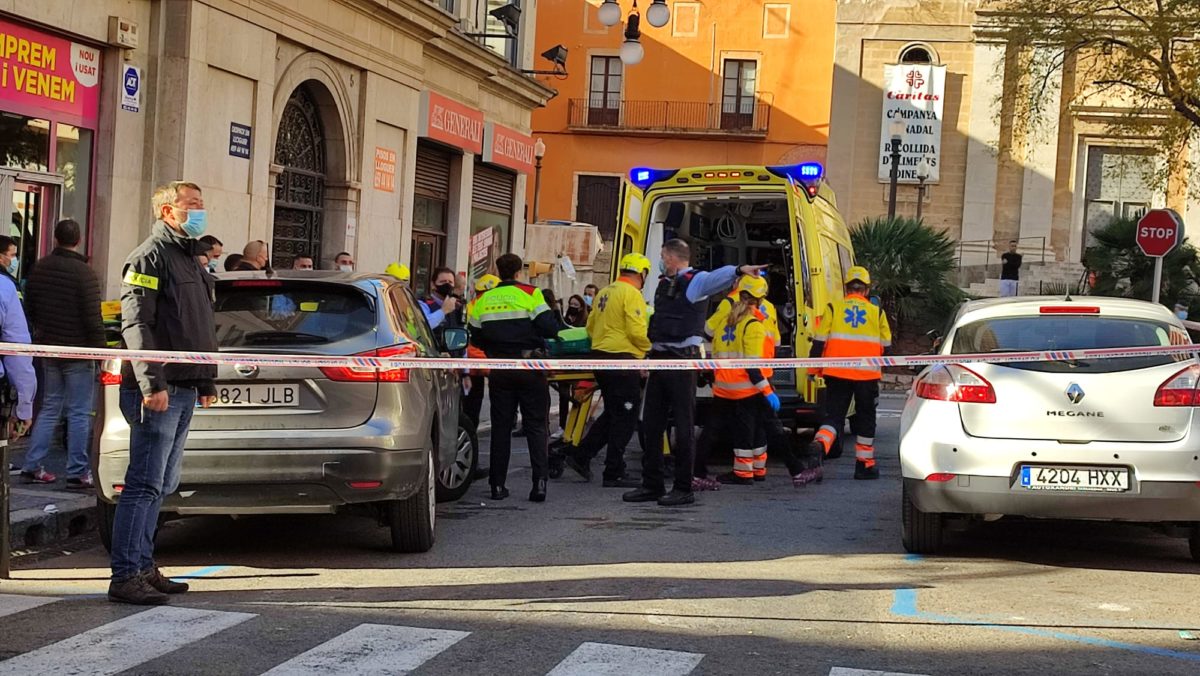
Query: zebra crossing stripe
[
  {"x": 372, "y": 649},
  {"x": 846, "y": 671},
  {"x": 11, "y": 604},
  {"x": 124, "y": 644},
  {"x": 604, "y": 659}
]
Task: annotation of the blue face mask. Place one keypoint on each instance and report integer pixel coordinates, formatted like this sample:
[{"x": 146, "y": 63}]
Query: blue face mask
[
  {"x": 1182, "y": 314},
  {"x": 662, "y": 267},
  {"x": 587, "y": 300},
  {"x": 196, "y": 223},
  {"x": 14, "y": 266}
]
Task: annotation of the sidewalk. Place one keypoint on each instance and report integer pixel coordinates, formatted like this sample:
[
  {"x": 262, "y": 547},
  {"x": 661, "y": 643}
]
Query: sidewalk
[{"x": 41, "y": 514}]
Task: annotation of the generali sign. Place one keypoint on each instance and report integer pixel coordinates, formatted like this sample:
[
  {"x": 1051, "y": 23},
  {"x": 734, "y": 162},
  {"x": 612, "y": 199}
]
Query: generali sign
[
  {"x": 450, "y": 122},
  {"x": 915, "y": 95},
  {"x": 508, "y": 148}
]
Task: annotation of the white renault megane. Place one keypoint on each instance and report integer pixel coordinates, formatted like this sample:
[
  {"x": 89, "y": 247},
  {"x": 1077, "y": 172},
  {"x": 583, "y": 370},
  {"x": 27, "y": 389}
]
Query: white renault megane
[{"x": 1108, "y": 439}]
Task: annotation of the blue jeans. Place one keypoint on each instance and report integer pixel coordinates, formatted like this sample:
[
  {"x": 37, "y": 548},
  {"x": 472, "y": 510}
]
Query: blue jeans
[
  {"x": 156, "y": 443},
  {"x": 69, "y": 389}
]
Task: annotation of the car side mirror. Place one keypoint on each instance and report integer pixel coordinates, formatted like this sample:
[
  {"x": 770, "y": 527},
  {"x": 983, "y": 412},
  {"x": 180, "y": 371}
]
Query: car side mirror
[{"x": 454, "y": 339}]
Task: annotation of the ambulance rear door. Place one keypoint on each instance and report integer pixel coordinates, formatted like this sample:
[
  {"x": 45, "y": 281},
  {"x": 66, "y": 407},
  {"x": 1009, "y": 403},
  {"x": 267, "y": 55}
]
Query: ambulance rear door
[{"x": 631, "y": 224}]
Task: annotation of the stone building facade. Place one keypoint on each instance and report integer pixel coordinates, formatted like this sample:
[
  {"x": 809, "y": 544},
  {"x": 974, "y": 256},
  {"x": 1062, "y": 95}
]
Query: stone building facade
[
  {"x": 1044, "y": 187},
  {"x": 378, "y": 127}
]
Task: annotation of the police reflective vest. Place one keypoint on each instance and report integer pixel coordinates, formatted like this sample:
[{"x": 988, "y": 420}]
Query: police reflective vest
[
  {"x": 854, "y": 327},
  {"x": 676, "y": 318},
  {"x": 743, "y": 340},
  {"x": 511, "y": 320}
]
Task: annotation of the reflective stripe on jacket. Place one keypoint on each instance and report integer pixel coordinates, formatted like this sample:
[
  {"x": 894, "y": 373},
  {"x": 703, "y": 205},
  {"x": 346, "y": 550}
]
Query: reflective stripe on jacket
[
  {"x": 745, "y": 340},
  {"x": 855, "y": 327},
  {"x": 511, "y": 319}
]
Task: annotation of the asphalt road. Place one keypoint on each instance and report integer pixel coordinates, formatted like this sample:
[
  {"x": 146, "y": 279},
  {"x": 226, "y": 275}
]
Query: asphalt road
[{"x": 751, "y": 580}]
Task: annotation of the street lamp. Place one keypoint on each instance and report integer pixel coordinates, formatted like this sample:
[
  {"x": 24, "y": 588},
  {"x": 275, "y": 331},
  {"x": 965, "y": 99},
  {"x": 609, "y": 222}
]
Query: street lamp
[
  {"x": 631, "y": 50},
  {"x": 923, "y": 172},
  {"x": 659, "y": 14},
  {"x": 896, "y": 128},
  {"x": 539, "y": 151},
  {"x": 609, "y": 13}
]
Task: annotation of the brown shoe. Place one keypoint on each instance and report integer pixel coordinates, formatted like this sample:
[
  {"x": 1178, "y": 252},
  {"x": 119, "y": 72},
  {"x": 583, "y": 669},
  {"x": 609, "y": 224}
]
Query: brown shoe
[
  {"x": 137, "y": 591},
  {"x": 162, "y": 583}
]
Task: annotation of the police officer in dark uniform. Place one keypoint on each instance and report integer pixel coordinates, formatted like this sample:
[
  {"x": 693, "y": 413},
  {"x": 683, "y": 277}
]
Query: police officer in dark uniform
[
  {"x": 513, "y": 321},
  {"x": 676, "y": 332}
]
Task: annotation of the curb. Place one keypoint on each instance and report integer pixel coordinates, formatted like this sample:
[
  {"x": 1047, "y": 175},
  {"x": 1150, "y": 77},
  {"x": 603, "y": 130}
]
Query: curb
[{"x": 33, "y": 527}]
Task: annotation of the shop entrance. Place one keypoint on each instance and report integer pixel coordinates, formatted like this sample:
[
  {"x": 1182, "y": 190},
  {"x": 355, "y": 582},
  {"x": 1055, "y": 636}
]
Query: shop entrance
[{"x": 35, "y": 208}]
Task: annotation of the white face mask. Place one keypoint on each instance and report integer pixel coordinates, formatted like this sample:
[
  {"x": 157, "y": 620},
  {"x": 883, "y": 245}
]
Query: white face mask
[{"x": 346, "y": 268}]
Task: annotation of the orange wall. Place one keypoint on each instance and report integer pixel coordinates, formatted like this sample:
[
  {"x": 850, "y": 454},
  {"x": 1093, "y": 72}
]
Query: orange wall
[{"x": 794, "y": 75}]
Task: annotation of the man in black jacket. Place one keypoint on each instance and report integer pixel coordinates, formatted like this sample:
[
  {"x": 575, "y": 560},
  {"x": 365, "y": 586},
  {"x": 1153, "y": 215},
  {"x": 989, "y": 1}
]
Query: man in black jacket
[
  {"x": 62, "y": 298},
  {"x": 164, "y": 306}
]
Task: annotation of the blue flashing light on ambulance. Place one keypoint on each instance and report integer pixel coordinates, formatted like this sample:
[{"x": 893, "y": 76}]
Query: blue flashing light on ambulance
[{"x": 782, "y": 216}]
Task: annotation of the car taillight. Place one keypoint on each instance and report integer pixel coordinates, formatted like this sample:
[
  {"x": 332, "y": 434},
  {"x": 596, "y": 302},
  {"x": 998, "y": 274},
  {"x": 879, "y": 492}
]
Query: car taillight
[
  {"x": 955, "y": 383},
  {"x": 940, "y": 477},
  {"x": 355, "y": 374},
  {"x": 1069, "y": 310},
  {"x": 110, "y": 379},
  {"x": 1180, "y": 389}
]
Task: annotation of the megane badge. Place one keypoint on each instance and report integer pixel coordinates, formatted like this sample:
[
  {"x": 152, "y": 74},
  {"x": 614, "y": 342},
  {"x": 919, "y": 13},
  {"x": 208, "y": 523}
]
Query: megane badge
[{"x": 1075, "y": 393}]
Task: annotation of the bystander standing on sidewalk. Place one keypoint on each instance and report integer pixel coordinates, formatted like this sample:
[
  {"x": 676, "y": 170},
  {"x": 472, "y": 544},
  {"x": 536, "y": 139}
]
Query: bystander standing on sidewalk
[
  {"x": 1010, "y": 270},
  {"x": 62, "y": 299}
]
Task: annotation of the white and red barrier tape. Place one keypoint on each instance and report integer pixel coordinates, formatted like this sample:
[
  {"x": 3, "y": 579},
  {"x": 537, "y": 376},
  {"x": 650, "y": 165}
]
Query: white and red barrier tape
[{"x": 585, "y": 364}]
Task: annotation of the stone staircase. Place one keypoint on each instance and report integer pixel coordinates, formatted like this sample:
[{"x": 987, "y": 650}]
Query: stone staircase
[{"x": 1049, "y": 278}]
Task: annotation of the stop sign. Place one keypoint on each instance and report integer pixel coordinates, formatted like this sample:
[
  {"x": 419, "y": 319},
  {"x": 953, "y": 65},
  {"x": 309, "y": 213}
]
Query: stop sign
[{"x": 1159, "y": 231}]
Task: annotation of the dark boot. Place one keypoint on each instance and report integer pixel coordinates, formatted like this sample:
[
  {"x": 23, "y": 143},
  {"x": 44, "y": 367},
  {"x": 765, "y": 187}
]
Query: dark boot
[
  {"x": 642, "y": 495},
  {"x": 861, "y": 471},
  {"x": 729, "y": 478},
  {"x": 499, "y": 492},
  {"x": 163, "y": 584},
  {"x": 137, "y": 591},
  {"x": 677, "y": 498},
  {"x": 538, "y": 493}
]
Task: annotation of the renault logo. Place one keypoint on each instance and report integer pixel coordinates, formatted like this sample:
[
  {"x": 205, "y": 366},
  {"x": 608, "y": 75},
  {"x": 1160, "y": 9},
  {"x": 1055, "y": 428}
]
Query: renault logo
[{"x": 1075, "y": 393}]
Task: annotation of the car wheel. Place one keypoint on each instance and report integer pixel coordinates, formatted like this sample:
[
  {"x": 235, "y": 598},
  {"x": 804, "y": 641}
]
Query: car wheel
[
  {"x": 1194, "y": 542},
  {"x": 413, "y": 520},
  {"x": 921, "y": 531},
  {"x": 106, "y": 513},
  {"x": 454, "y": 479}
]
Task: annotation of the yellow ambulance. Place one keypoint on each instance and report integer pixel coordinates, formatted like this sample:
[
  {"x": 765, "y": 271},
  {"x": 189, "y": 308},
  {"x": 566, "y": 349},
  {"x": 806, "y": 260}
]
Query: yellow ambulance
[{"x": 782, "y": 216}]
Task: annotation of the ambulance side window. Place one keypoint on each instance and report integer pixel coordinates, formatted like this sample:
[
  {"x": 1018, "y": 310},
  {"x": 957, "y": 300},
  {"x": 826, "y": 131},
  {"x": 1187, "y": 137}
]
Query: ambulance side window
[
  {"x": 844, "y": 257},
  {"x": 805, "y": 273}
]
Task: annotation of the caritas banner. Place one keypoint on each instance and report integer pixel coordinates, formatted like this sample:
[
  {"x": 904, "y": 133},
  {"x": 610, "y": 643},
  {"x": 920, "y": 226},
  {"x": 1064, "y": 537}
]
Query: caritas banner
[
  {"x": 43, "y": 75},
  {"x": 915, "y": 95}
]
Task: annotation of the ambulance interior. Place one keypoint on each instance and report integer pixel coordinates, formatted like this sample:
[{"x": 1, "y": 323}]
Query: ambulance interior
[{"x": 725, "y": 229}]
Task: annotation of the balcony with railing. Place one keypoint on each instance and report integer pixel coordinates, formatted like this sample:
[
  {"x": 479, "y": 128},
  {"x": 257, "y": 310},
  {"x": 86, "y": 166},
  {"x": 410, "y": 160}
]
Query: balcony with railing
[{"x": 740, "y": 118}]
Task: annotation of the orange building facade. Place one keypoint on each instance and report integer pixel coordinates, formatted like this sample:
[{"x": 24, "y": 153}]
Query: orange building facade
[{"x": 723, "y": 82}]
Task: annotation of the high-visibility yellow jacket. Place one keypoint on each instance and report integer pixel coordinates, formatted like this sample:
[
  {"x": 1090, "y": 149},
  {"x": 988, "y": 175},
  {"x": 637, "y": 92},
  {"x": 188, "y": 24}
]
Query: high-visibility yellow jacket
[
  {"x": 854, "y": 327},
  {"x": 744, "y": 340},
  {"x": 619, "y": 320},
  {"x": 766, "y": 313},
  {"x": 511, "y": 319}
]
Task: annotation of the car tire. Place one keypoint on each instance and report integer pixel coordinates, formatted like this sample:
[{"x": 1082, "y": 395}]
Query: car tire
[
  {"x": 921, "y": 532},
  {"x": 1194, "y": 543},
  {"x": 413, "y": 521},
  {"x": 454, "y": 481},
  {"x": 106, "y": 514}
]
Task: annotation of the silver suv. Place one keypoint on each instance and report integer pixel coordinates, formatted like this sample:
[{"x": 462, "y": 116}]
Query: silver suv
[{"x": 298, "y": 440}]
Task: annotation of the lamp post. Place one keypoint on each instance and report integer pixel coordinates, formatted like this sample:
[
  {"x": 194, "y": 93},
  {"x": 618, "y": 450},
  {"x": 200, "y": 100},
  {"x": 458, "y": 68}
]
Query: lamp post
[
  {"x": 539, "y": 151},
  {"x": 923, "y": 172},
  {"x": 897, "y": 133}
]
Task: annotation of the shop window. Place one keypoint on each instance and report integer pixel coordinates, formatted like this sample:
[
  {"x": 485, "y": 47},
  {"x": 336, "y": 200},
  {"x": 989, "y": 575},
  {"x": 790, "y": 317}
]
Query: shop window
[
  {"x": 24, "y": 142},
  {"x": 73, "y": 161}
]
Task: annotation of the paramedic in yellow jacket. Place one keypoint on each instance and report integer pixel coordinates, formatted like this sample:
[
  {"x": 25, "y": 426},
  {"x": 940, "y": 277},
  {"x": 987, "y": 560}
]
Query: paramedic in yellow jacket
[
  {"x": 854, "y": 327},
  {"x": 617, "y": 326},
  {"x": 737, "y": 393},
  {"x": 770, "y": 429}
]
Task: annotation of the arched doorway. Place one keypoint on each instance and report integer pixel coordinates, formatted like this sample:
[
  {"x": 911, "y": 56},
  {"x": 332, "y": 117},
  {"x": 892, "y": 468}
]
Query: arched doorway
[{"x": 300, "y": 191}]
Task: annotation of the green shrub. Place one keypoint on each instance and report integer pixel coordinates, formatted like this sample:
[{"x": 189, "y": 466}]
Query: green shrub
[
  {"x": 912, "y": 268},
  {"x": 1123, "y": 270}
]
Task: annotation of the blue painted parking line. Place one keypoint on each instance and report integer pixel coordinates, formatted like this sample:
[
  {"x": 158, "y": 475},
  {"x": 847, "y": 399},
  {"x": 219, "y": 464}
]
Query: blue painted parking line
[
  {"x": 203, "y": 572},
  {"x": 904, "y": 604}
]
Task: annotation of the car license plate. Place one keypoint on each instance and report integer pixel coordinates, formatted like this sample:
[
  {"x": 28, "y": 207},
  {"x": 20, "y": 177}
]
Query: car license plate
[
  {"x": 257, "y": 396},
  {"x": 1098, "y": 479}
]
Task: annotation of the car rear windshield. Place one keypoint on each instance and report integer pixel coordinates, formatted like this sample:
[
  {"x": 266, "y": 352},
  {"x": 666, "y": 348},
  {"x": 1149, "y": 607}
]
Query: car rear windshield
[
  {"x": 1041, "y": 333},
  {"x": 288, "y": 315}
]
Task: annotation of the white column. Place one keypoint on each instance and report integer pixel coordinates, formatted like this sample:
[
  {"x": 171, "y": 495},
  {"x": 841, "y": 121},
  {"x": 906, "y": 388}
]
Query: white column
[
  {"x": 458, "y": 213},
  {"x": 979, "y": 198},
  {"x": 1041, "y": 159}
]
